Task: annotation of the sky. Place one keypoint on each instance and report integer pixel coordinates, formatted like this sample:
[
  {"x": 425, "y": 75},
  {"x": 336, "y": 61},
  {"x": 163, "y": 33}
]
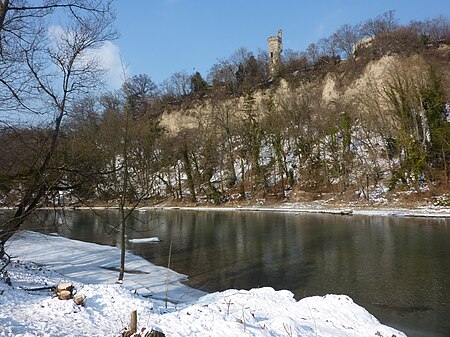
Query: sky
[{"x": 161, "y": 37}]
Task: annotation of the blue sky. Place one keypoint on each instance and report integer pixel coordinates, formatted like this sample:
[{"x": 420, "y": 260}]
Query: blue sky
[{"x": 160, "y": 37}]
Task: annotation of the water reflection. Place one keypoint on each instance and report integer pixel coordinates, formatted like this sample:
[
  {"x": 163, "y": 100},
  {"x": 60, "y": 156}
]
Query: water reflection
[{"x": 398, "y": 268}]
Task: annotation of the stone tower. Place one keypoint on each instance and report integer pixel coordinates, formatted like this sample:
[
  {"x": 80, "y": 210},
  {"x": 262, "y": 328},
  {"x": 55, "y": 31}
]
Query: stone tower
[{"x": 275, "y": 44}]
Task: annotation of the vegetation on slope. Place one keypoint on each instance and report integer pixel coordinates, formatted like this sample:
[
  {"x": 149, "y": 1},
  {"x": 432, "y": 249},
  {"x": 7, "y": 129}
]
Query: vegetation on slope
[{"x": 364, "y": 108}]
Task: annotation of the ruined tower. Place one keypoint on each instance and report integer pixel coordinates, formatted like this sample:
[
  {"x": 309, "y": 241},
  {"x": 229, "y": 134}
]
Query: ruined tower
[{"x": 275, "y": 44}]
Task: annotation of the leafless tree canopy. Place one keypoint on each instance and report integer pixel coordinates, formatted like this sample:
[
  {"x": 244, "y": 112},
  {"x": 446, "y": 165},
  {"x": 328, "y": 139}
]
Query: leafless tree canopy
[{"x": 43, "y": 69}]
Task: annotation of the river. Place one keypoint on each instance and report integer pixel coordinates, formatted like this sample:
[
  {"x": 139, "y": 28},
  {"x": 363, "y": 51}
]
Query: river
[{"x": 398, "y": 268}]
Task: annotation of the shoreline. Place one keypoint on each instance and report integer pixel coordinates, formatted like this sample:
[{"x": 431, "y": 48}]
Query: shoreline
[
  {"x": 346, "y": 211},
  {"x": 94, "y": 263},
  {"x": 297, "y": 209},
  {"x": 256, "y": 312}
]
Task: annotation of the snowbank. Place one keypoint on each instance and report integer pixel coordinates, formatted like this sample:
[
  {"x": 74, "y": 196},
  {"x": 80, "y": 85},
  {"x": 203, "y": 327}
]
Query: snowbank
[
  {"x": 98, "y": 264},
  {"x": 38, "y": 313},
  {"x": 258, "y": 312},
  {"x": 423, "y": 211},
  {"x": 266, "y": 312}
]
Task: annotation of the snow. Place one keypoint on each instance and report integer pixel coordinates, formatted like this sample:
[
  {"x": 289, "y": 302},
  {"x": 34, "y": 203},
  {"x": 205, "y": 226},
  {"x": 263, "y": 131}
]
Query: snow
[
  {"x": 266, "y": 312},
  {"x": 92, "y": 263},
  {"x": 106, "y": 311},
  {"x": 297, "y": 208},
  {"x": 145, "y": 240}
]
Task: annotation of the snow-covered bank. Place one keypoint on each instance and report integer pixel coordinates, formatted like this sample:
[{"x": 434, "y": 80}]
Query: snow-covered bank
[
  {"x": 38, "y": 313},
  {"x": 429, "y": 211},
  {"x": 258, "y": 312},
  {"x": 266, "y": 312},
  {"x": 98, "y": 264}
]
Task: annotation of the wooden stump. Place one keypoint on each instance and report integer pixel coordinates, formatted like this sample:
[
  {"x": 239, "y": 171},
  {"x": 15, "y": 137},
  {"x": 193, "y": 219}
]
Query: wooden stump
[
  {"x": 79, "y": 299},
  {"x": 64, "y": 291},
  {"x": 64, "y": 286},
  {"x": 64, "y": 295},
  {"x": 133, "y": 323}
]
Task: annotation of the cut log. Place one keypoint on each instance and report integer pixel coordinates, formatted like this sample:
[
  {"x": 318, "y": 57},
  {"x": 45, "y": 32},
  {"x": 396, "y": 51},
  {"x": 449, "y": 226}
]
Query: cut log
[
  {"x": 64, "y": 286},
  {"x": 64, "y": 295},
  {"x": 79, "y": 299}
]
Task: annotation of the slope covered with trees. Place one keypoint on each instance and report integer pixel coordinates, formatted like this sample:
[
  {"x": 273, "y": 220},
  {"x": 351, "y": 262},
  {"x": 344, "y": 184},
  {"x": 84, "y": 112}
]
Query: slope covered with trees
[{"x": 361, "y": 111}]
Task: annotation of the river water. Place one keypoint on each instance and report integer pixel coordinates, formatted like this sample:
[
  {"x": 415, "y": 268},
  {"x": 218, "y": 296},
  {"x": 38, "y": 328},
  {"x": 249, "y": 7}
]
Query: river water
[{"x": 398, "y": 268}]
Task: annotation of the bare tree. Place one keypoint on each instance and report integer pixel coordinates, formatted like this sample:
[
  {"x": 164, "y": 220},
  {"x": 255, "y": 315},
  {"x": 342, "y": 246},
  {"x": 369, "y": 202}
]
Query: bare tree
[
  {"x": 346, "y": 37},
  {"x": 312, "y": 53},
  {"x": 143, "y": 91},
  {"x": 435, "y": 30},
  {"x": 274, "y": 125},
  {"x": 242, "y": 70},
  {"x": 54, "y": 65},
  {"x": 178, "y": 85},
  {"x": 222, "y": 75},
  {"x": 382, "y": 24}
]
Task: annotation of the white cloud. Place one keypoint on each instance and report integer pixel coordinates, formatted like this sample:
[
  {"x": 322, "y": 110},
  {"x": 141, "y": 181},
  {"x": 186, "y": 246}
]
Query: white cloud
[
  {"x": 109, "y": 58},
  {"x": 56, "y": 32}
]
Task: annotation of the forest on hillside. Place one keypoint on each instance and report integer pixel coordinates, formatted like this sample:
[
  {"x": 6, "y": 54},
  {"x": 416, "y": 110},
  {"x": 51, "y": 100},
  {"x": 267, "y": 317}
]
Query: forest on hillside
[{"x": 327, "y": 122}]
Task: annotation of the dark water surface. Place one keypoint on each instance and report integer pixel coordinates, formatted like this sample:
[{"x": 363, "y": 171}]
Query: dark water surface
[{"x": 397, "y": 268}]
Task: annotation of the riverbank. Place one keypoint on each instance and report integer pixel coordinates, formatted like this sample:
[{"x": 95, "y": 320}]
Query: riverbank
[
  {"x": 295, "y": 208},
  {"x": 416, "y": 206},
  {"x": 43, "y": 260},
  {"x": 440, "y": 212},
  {"x": 298, "y": 208}
]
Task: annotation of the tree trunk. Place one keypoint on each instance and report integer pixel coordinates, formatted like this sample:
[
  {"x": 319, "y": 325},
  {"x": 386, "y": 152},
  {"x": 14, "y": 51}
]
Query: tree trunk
[
  {"x": 242, "y": 185},
  {"x": 188, "y": 171},
  {"x": 123, "y": 198},
  {"x": 3, "y": 9},
  {"x": 34, "y": 193}
]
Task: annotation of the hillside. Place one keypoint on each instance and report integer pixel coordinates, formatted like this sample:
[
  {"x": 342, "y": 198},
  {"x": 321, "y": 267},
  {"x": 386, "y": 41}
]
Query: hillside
[
  {"x": 344, "y": 135},
  {"x": 346, "y": 122}
]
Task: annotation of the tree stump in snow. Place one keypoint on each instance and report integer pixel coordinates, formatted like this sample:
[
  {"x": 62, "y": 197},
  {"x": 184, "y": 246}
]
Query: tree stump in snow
[
  {"x": 64, "y": 286},
  {"x": 64, "y": 291},
  {"x": 133, "y": 322},
  {"x": 79, "y": 299},
  {"x": 64, "y": 295}
]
